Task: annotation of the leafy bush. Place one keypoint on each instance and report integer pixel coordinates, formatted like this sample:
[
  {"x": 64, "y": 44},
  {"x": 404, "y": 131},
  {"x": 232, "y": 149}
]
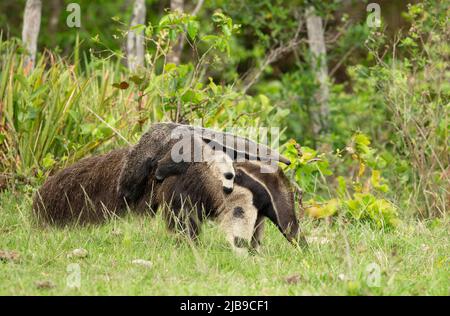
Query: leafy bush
[
  {"x": 384, "y": 156},
  {"x": 364, "y": 201},
  {"x": 415, "y": 87},
  {"x": 51, "y": 112},
  {"x": 61, "y": 112}
]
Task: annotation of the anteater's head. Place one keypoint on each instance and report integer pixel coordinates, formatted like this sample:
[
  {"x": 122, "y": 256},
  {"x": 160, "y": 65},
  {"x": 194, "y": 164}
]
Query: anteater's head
[
  {"x": 221, "y": 166},
  {"x": 272, "y": 196}
]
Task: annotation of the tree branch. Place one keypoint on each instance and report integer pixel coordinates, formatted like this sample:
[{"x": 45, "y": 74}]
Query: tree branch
[{"x": 275, "y": 53}]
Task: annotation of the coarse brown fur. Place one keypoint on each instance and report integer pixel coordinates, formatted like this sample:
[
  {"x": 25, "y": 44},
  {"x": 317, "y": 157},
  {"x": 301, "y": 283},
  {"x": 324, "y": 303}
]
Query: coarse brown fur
[
  {"x": 84, "y": 192},
  {"x": 187, "y": 199},
  {"x": 160, "y": 139}
]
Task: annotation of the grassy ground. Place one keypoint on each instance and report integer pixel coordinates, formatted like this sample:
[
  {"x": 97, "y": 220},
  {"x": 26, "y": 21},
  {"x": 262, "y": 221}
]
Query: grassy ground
[{"x": 343, "y": 259}]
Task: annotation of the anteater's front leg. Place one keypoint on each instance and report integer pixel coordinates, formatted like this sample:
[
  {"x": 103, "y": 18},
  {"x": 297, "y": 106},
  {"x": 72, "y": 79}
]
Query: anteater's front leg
[
  {"x": 258, "y": 233},
  {"x": 183, "y": 220}
]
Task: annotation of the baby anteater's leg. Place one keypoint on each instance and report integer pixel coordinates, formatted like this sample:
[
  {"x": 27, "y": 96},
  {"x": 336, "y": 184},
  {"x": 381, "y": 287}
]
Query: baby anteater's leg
[{"x": 238, "y": 219}]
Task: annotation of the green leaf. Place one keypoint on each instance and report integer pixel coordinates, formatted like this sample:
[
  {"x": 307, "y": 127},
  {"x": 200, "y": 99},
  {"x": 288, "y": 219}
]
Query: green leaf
[
  {"x": 342, "y": 186},
  {"x": 210, "y": 38},
  {"x": 95, "y": 39},
  {"x": 149, "y": 31},
  {"x": 166, "y": 20},
  {"x": 323, "y": 210},
  {"x": 137, "y": 80},
  {"x": 48, "y": 161},
  {"x": 192, "y": 29},
  {"x": 192, "y": 96},
  {"x": 173, "y": 34},
  {"x": 212, "y": 85},
  {"x": 376, "y": 180},
  {"x": 169, "y": 67},
  {"x": 362, "y": 143},
  {"x": 265, "y": 102}
]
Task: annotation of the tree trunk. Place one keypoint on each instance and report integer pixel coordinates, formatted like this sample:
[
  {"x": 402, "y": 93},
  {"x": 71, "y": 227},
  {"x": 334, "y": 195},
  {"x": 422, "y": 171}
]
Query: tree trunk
[
  {"x": 135, "y": 41},
  {"x": 30, "y": 31},
  {"x": 174, "y": 55},
  {"x": 54, "y": 19},
  {"x": 317, "y": 47}
]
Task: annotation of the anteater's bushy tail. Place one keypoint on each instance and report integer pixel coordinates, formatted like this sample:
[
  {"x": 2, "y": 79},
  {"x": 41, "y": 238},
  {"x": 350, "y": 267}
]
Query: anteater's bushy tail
[{"x": 84, "y": 192}]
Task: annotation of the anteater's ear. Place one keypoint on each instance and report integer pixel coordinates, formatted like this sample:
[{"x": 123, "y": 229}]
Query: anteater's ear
[{"x": 237, "y": 147}]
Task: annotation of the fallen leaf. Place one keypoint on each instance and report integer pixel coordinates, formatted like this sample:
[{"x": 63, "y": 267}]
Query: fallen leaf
[
  {"x": 293, "y": 279},
  {"x": 9, "y": 256},
  {"x": 317, "y": 240},
  {"x": 45, "y": 284},
  {"x": 78, "y": 253},
  {"x": 142, "y": 262}
]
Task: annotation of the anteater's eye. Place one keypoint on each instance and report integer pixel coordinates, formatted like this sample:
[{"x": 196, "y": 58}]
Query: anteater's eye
[{"x": 229, "y": 176}]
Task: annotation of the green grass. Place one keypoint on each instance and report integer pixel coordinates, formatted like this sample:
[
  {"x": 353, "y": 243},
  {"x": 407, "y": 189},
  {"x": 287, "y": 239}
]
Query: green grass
[{"x": 413, "y": 259}]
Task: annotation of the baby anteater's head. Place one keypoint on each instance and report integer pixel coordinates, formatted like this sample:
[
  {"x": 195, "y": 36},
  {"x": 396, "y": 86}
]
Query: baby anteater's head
[{"x": 221, "y": 166}]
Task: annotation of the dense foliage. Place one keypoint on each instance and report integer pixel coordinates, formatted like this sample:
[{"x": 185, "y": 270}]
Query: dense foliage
[{"x": 385, "y": 153}]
